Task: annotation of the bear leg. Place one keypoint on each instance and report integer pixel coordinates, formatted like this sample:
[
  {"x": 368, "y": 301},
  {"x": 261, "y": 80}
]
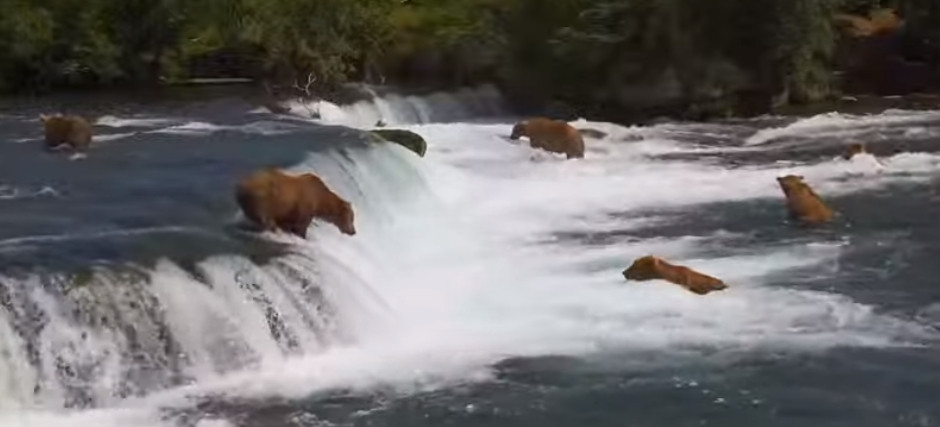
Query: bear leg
[
  {"x": 267, "y": 223},
  {"x": 299, "y": 228}
]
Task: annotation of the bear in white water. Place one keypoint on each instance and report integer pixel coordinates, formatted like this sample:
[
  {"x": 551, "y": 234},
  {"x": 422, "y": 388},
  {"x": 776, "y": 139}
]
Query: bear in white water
[
  {"x": 860, "y": 158},
  {"x": 653, "y": 268},
  {"x": 551, "y": 135}
]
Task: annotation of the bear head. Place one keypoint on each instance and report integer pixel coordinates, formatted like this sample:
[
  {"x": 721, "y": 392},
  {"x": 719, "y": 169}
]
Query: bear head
[
  {"x": 790, "y": 182},
  {"x": 334, "y": 210},
  {"x": 645, "y": 268},
  {"x": 57, "y": 128},
  {"x": 518, "y": 131},
  {"x": 345, "y": 219},
  {"x": 852, "y": 150}
]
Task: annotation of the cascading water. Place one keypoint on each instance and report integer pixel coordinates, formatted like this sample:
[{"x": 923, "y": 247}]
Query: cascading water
[
  {"x": 156, "y": 309},
  {"x": 95, "y": 337},
  {"x": 394, "y": 109}
]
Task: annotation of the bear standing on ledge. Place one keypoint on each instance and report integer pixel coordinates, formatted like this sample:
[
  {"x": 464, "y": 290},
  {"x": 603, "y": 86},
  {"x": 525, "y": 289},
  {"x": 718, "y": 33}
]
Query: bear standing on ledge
[
  {"x": 66, "y": 131},
  {"x": 551, "y": 135},
  {"x": 277, "y": 201}
]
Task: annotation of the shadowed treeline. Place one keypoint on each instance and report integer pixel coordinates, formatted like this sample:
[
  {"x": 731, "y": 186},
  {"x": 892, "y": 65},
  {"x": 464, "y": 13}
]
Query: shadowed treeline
[{"x": 692, "y": 58}]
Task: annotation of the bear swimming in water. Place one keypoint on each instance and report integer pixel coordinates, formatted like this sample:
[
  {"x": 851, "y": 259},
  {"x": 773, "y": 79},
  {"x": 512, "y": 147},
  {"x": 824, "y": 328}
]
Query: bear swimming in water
[
  {"x": 275, "y": 200},
  {"x": 803, "y": 203},
  {"x": 653, "y": 268},
  {"x": 852, "y": 150},
  {"x": 551, "y": 135},
  {"x": 857, "y": 152},
  {"x": 66, "y": 131}
]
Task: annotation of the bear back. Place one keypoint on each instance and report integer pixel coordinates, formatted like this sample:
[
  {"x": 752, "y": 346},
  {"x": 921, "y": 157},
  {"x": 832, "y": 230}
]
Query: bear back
[
  {"x": 70, "y": 130},
  {"x": 551, "y": 135},
  {"x": 802, "y": 202}
]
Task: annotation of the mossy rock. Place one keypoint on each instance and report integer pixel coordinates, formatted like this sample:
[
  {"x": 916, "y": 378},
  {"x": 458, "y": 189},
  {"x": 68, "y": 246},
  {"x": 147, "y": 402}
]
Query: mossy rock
[
  {"x": 82, "y": 278},
  {"x": 405, "y": 138}
]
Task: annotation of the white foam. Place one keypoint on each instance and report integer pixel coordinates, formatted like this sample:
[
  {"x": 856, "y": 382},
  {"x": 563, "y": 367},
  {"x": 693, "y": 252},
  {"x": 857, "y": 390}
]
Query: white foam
[
  {"x": 25, "y": 140},
  {"x": 113, "y": 136},
  {"x": 197, "y": 128},
  {"x": 88, "y": 418},
  {"x": 474, "y": 284},
  {"x": 16, "y": 376},
  {"x": 8, "y": 192},
  {"x": 395, "y": 110},
  {"x": 454, "y": 267},
  {"x": 838, "y": 124},
  {"x": 120, "y": 122}
]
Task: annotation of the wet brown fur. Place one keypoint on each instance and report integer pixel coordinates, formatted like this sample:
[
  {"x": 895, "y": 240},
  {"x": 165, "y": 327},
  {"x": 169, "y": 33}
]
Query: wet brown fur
[
  {"x": 66, "y": 131},
  {"x": 278, "y": 201},
  {"x": 551, "y": 135},
  {"x": 803, "y": 203},
  {"x": 653, "y": 268}
]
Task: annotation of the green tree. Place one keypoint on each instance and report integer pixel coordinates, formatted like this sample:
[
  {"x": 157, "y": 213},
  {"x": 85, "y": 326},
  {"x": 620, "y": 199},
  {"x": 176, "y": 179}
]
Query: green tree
[{"x": 26, "y": 33}]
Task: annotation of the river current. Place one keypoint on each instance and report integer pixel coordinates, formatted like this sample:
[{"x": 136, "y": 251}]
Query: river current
[{"x": 484, "y": 285}]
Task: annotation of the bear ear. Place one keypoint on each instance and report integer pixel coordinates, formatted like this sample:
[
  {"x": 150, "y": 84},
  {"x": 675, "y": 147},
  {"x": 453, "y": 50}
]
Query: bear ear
[{"x": 43, "y": 117}]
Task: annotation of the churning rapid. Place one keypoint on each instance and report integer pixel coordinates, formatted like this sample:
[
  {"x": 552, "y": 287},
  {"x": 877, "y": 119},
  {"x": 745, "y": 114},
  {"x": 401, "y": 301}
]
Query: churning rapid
[{"x": 484, "y": 284}]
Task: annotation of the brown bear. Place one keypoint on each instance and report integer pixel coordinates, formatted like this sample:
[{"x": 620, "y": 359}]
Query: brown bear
[
  {"x": 275, "y": 200},
  {"x": 803, "y": 203},
  {"x": 551, "y": 135},
  {"x": 852, "y": 150},
  {"x": 69, "y": 131},
  {"x": 652, "y": 268}
]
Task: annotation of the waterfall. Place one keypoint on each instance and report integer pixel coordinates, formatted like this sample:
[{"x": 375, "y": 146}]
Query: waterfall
[
  {"x": 483, "y": 250},
  {"x": 395, "y": 109},
  {"x": 92, "y": 339}
]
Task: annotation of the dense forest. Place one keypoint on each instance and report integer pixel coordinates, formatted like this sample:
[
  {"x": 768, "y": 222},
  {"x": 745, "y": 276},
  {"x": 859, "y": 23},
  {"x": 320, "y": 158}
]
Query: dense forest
[{"x": 622, "y": 55}]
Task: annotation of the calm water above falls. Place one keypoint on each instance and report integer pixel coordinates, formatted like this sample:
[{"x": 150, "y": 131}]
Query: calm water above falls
[{"x": 483, "y": 287}]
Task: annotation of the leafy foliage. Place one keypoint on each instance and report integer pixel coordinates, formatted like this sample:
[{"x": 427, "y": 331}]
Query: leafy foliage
[{"x": 586, "y": 51}]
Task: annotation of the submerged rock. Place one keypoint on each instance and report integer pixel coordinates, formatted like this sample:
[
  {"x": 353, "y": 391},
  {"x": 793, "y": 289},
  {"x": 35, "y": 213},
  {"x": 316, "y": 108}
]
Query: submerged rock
[
  {"x": 276, "y": 107},
  {"x": 405, "y": 138}
]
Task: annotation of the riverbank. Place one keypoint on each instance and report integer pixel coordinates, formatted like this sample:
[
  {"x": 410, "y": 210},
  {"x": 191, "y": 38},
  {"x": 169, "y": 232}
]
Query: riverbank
[{"x": 99, "y": 102}]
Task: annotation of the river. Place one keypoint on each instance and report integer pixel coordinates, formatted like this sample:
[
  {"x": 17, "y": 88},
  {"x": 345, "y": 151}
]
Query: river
[{"x": 484, "y": 285}]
